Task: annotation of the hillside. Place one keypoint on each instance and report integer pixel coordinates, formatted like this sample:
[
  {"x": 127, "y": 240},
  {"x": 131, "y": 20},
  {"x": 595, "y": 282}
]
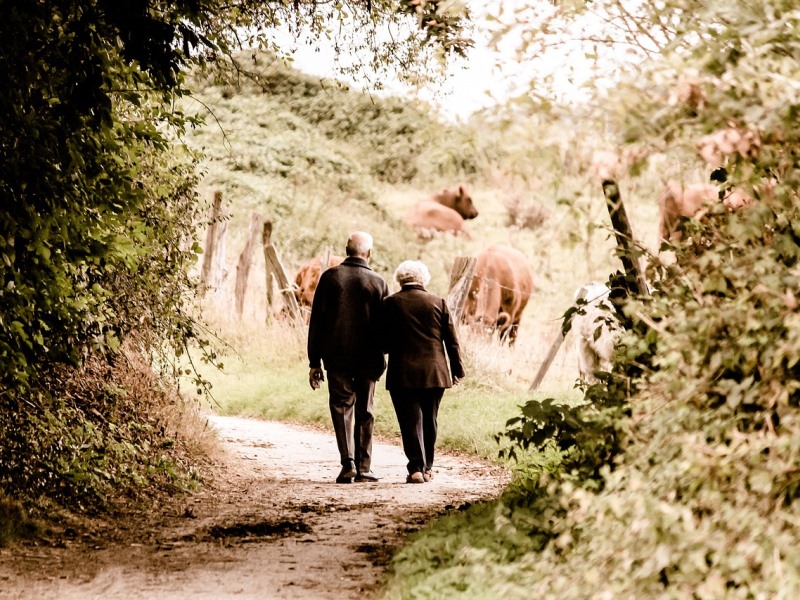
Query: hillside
[{"x": 320, "y": 160}]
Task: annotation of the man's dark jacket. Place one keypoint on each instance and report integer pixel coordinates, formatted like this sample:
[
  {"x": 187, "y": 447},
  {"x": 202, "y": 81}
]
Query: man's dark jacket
[
  {"x": 345, "y": 319},
  {"x": 419, "y": 336}
]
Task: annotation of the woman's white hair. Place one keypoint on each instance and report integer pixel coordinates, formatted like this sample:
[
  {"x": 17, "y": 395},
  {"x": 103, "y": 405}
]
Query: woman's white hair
[{"x": 412, "y": 271}]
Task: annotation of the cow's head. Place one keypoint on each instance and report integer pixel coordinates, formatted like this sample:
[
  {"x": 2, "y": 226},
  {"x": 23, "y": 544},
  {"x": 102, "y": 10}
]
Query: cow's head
[
  {"x": 305, "y": 294},
  {"x": 459, "y": 200},
  {"x": 463, "y": 203},
  {"x": 285, "y": 311},
  {"x": 505, "y": 328},
  {"x": 474, "y": 314}
]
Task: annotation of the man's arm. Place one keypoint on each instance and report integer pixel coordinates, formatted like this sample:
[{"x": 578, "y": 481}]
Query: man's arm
[{"x": 317, "y": 323}]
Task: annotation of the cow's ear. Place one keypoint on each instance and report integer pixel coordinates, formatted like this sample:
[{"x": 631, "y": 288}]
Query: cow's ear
[{"x": 461, "y": 191}]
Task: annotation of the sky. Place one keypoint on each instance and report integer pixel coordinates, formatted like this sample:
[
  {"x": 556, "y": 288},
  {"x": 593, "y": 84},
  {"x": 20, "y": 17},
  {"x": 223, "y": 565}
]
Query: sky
[
  {"x": 479, "y": 82},
  {"x": 489, "y": 75},
  {"x": 466, "y": 89}
]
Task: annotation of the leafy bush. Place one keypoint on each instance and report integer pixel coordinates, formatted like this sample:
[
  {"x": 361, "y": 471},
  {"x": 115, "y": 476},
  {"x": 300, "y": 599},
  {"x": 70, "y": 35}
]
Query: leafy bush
[
  {"x": 387, "y": 138},
  {"x": 96, "y": 242},
  {"x": 92, "y": 432},
  {"x": 678, "y": 475}
]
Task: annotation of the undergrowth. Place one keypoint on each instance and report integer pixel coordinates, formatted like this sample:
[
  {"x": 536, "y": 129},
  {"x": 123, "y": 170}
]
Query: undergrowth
[
  {"x": 15, "y": 521},
  {"x": 97, "y": 438}
]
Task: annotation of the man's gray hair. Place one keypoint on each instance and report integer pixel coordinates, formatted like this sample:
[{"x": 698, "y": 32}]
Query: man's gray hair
[
  {"x": 359, "y": 244},
  {"x": 412, "y": 271}
]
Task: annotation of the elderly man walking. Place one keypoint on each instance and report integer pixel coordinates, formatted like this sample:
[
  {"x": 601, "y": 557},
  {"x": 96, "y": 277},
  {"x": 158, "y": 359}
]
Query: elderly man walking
[{"x": 343, "y": 336}]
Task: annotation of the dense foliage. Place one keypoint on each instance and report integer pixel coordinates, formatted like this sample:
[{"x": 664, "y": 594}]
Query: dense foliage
[
  {"x": 96, "y": 231},
  {"x": 90, "y": 195},
  {"x": 386, "y": 138},
  {"x": 690, "y": 488}
]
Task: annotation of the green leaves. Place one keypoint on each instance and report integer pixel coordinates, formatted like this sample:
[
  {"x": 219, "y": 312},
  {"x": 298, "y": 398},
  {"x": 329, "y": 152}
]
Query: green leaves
[{"x": 97, "y": 199}]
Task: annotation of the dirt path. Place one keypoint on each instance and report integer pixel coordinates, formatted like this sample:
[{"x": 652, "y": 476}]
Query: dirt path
[{"x": 272, "y": 524}]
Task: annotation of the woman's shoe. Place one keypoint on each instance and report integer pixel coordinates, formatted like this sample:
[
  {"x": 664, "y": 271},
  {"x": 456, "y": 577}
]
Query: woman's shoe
[
  {"x": 415, "y": 477},
  {"x": 427, "y": 475}
]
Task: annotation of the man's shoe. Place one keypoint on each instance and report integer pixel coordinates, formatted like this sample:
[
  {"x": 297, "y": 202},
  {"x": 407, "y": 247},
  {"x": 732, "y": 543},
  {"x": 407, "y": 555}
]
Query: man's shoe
[
  {"x": 415, "y": 477},
  {"x": 427, "y": 475},
  {"x": 367, "y": 476},
  {"x": 347, "y": 473}
]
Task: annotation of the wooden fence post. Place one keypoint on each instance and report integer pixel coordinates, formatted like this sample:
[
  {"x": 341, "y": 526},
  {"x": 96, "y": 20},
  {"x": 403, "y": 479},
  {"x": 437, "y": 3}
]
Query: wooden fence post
[
  {"x": 625, "y": 241},
  {"x": 460, "y": 281},
  {"x": 274, "y": 269},
  {"x": 325, "y": 260},
  {"x": 548, "y": 360},
  {"x": 212, "y": 269},
  {"x": 551, "y": 354},
  {"x": 266, "y": 240},
  {"x": 246, "y": 259}
]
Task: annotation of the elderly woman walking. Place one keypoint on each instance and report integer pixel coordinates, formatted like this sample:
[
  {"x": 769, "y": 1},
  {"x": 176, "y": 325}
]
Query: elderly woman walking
[{"x": 419, "y": 337}]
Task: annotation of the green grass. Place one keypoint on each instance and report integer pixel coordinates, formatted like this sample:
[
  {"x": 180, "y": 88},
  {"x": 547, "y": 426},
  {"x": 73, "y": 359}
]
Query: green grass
[
  {"x": 268, "y": 378},
  {"x": 470, "y": 554}
]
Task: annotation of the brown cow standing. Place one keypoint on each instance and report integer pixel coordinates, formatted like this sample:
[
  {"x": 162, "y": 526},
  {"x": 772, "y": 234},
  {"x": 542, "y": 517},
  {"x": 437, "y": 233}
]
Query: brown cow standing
[
  {"x": 678, "y": 201},
  {"x": 718, "y": 147},
  {"x": 443, "y": 212},
  {"x": 500, "y": 290},
  {"x": 306, "y": 280}
]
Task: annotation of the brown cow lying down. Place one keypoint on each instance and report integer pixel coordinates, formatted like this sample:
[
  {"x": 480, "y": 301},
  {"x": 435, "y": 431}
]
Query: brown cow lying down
[
  {"x": 430, "y": 218},
  {"x": 500, "y": 290},
  {"x": 459, "y": 200},
  {"x": 444, "y": 212},
  {"x": 678, "y": 201},
  {"x": 306, "y": 280}
]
